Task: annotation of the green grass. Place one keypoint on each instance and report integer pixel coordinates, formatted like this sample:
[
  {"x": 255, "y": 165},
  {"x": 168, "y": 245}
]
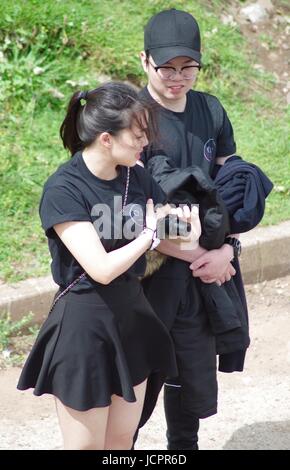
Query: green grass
[
  {"x": 49, "y": 46},
  {"x": 16, "y": 338}
]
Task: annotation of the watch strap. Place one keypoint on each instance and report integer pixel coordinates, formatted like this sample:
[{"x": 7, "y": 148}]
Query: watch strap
[{"x": 236, "y": 244}]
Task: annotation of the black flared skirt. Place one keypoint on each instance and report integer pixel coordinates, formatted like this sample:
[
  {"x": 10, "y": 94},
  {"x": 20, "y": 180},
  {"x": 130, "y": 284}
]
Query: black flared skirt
[{"x": 98, "y": 343}]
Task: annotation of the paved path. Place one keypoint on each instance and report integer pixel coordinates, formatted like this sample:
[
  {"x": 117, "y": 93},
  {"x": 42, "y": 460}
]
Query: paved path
[{"x": 254, "y": 406}]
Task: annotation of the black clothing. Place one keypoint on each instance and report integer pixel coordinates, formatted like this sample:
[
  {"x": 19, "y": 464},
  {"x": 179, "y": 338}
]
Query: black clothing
[
  {"x": 227, "y": 318},
  {"x": 172, "y": 33},
  {"x": 179, "y": 305},
  {"x": 73, "y": 193},
  {"x": 192, "y": 137},
  {"x": 192, "y": 186},
  {"x": 234, "y": 361},
  {"x": 197, "y": 137},
  {"x": 98, "y": 340},
  {"x": 98, "y": 343},
  {"x": 244, "y": 188},
  {"x": 182, "y": 427}
]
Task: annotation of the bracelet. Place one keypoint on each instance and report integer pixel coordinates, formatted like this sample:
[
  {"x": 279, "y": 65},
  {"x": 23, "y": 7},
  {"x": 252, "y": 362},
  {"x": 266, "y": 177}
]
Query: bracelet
[
  {"x": 155, "y": 239},
  {"x": 148, "y": 228},
  {"x": 155, "y": 242}
]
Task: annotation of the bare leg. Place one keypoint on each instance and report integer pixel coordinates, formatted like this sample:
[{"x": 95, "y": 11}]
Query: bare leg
[
  {"x": 82, "y": 430},
  {"x": 123, "y": 420}
]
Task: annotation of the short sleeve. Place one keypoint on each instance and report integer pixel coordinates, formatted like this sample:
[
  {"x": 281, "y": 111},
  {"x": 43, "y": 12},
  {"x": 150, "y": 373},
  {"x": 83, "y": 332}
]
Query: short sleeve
[
  {"x": 225, "y": 141},
  {"x": 60, "y": 204},
  {"x": 150, "y": 187},
  {"x": 150, "y": 151}
]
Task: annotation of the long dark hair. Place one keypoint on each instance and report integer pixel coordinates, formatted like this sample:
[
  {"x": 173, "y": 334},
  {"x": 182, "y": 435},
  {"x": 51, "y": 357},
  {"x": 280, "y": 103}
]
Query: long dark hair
[{"x": 111, "y": 107}]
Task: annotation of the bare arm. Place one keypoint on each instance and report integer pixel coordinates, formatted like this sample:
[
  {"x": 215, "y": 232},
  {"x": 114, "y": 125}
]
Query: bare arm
[
  {"x": 172, "y": 249},
  {"x": 83, "y": 242}
]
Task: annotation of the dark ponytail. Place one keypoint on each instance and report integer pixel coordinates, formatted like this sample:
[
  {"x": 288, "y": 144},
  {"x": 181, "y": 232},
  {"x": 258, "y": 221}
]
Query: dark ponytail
[
  {"x": 68, "y": 129},
  {"x": 109, "y": 108}
]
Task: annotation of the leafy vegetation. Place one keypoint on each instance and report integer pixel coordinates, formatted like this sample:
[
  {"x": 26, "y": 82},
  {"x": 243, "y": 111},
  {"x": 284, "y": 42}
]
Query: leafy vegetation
[
  {"x": 49, "y": 49},
  {"x": 16, "y": 337}
]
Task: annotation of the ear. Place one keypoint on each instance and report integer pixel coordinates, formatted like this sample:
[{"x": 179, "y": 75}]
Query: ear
[
  {"x": 144, "y": 61},
  {"x": 105, "y": 139}
]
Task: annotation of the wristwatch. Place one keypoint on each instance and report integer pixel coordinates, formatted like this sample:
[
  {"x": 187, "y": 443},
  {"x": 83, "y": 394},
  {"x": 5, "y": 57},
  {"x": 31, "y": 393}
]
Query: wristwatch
[{"x": 236, "y": 244}]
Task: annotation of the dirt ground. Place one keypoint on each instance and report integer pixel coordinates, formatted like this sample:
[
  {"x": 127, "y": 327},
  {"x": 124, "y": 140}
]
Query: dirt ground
[
  {"x": 254, "y": 406},
  {"x": 269, "y": 42}
]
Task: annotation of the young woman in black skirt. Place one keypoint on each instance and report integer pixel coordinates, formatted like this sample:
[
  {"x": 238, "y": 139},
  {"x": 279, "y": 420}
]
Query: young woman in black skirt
[{"x": 101, "y": 340}]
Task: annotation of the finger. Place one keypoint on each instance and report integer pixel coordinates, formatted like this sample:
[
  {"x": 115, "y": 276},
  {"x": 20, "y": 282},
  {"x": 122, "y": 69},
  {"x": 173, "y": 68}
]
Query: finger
[
  {"x": 162, "y": 211},
  {"x": 173, "y": 210},
  {"x": 195, "y": 265},
  {"x": 186, "y": 212},
  {"x": 232, "y": 270},
  {"x": 194, "y": 211},
  {"x": 195, "y": 228},
  {"x": 200, "y": 272},
  {"x": 176, "y": 212},
  {"x": 198, "y": 262},
  {"x": 179, "y": 212},
  {"x": 228, "y": 277},
  {"x": 208, "y": 280},
  {"x": 195, "y": 274},
  {"x": 150, "y": 207}
]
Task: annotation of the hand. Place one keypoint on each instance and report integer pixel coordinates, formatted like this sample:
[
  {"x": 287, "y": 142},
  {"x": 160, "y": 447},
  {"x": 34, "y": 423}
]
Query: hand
[
  {"x": 151, "y": 216},
  {"x": 163, "y": 210},
  {"x": 189, "y": 242},
  {"x": 213, "y": 266},
  {"x": 228, "y": 274}
]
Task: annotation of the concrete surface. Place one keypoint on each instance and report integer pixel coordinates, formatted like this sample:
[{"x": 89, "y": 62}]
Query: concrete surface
[
  {"x": 266, "y": 253},
  {"x": 265, "y": 256},
  {"x": 254, "y": 406}
]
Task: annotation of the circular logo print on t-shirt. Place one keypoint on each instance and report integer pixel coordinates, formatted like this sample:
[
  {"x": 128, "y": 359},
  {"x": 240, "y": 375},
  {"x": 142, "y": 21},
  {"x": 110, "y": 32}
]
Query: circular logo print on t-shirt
[
  {"x": 209, "y": 150},
  {"x": 135, "y": 213}
]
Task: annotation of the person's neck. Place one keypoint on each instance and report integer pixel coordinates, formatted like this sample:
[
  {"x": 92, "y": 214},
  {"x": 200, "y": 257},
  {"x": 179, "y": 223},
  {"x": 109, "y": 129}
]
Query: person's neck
[
  {"x": 99, "y": 164},
  {"x": 177, "y": 106}
]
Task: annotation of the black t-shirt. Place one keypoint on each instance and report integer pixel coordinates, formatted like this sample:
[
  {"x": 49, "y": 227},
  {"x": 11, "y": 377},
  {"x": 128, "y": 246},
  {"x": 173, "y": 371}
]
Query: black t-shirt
[
  {"x": 73, "y": 193},
  {"x": 192, "y": 137}
]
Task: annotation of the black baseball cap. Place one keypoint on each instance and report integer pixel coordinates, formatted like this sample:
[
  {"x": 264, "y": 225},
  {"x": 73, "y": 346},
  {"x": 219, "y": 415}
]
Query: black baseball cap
[{"x": 172, "y": 33}]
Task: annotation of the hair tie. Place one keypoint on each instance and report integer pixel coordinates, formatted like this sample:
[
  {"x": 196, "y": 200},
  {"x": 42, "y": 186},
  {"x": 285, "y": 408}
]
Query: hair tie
[{"x": 83, "y": 95}]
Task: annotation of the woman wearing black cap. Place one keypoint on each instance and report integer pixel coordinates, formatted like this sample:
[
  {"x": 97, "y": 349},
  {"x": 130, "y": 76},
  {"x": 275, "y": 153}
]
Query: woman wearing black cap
[{"x": 101, "y": 339}]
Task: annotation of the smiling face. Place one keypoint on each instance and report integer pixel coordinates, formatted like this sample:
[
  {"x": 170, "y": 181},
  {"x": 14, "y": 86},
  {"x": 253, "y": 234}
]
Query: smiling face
[{"x": 170, "y": 93}]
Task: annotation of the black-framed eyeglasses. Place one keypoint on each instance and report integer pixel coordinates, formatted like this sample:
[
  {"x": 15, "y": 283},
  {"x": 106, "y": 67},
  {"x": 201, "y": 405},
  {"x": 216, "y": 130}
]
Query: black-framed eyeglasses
[{"x": 187, "y": 72}]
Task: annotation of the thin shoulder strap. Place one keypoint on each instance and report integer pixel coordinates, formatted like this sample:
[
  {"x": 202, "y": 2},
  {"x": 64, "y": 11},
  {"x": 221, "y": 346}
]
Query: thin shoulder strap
[{"x": 65, "y": 291}]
